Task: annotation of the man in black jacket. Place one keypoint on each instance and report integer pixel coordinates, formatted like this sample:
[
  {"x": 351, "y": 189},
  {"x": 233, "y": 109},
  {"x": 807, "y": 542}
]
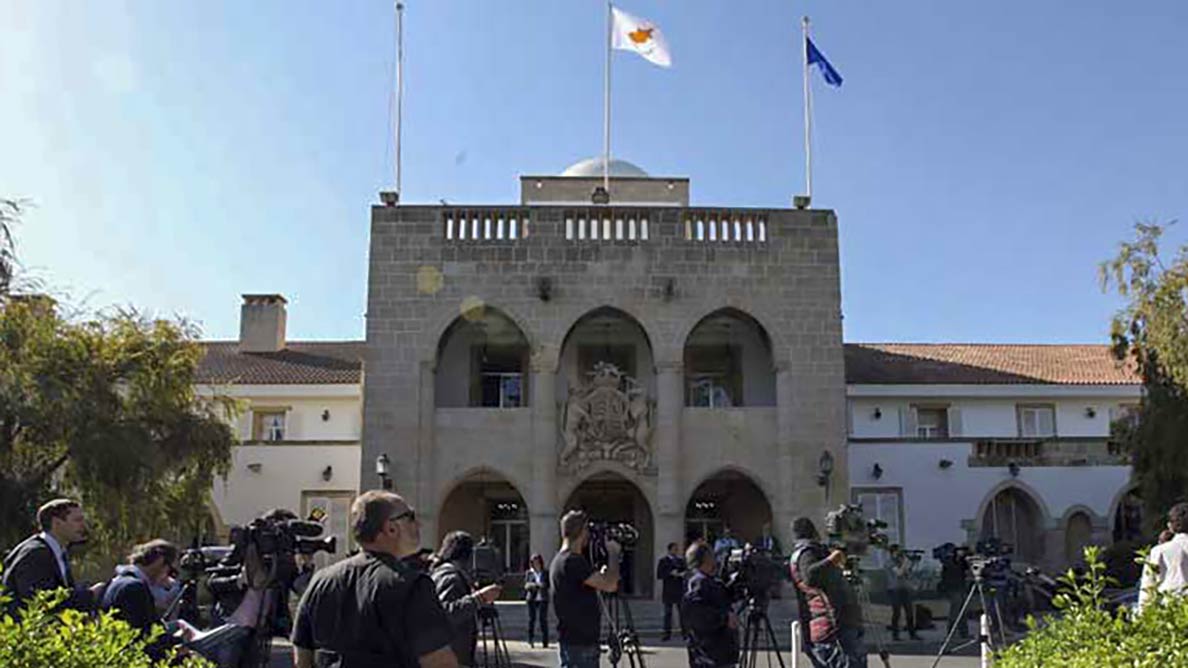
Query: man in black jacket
[
  {"x": 41, "y": 562},
  {"x": 130, "y": 592},
  {"x": 712, "y": 625},
  {"x": 670, "y": 571},
  {"x": 459, "y": 599}
]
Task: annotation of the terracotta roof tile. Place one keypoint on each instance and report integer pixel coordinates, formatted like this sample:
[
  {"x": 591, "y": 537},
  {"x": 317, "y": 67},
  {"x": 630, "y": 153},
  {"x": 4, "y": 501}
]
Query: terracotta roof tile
[
  {"x": 982, "y": 364},
  {"x": 300, "y": 363}
]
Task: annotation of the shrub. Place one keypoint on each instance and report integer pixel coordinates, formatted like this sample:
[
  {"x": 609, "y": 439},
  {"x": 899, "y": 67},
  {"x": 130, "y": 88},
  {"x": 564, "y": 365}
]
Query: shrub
[
  {"x": 44, "y": 637},
  {"x": 1085, "y": 635}
]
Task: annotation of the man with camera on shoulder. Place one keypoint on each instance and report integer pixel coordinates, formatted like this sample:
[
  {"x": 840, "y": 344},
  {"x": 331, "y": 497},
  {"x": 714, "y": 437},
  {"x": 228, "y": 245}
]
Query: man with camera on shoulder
[
  {"x": 373, "y": 609},
  {"x": 830, "y": 614},
  {"x": 705, "y": 609},
  {"x": 575, "y": 585}
]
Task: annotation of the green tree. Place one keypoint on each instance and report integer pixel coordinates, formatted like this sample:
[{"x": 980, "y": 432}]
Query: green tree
[
  {"x": 1151, "y": 331},
  {"x": 10, "y": 210},
  {"x": 104, "y": 409}
]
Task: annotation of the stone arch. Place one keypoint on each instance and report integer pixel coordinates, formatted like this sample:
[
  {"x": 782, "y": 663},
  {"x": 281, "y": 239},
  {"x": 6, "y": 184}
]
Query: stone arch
[
  {"x": 485, "y": 502},
  {"x": 728, "y": 360},
  {"x": 1078, "y": 534},
  {"x": 762, "y": 317},
  {"x": 609, "y": 496},
  {"x": 623, "y": 339},
  {"x": 730, "y": 496},
  {"x": 445, "y": 316},
  {"x": 1126, "y": 514},
  {"x": 482, "y": 359},
  {"x": 1014, "y": 513}
]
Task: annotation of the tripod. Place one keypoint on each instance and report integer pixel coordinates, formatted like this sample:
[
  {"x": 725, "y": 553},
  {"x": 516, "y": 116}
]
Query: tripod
[
  {"x": 492, "y": 650},
  {"x": 979, "y": 588},
  {"x": 621, "y": 637},
  {"x": 758, "y": 635},
  {"x": 880, "y": 634}
]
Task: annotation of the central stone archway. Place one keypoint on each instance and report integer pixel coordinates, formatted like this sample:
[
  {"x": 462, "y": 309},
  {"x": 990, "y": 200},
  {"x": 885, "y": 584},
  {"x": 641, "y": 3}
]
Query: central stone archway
[{"x": 610, "y": 497}]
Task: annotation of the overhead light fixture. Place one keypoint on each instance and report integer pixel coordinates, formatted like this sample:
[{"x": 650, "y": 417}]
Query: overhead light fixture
[
  {"x": 669, "y": 289},
  {"x": 878, "y": 413},
  {"x": 325, "y": 415},
  {"x": 544, "y": 288},
  {"x": 327, "y": 473},
  {"x": 1013, "y": 467},
  {"x": 389, "y": 197},
  {"x": 876, "y": 472}
]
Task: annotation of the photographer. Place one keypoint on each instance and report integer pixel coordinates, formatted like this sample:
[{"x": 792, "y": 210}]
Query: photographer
[
  {"x": 575, "y": 586},
  {"x": 130, "y": 593},
  {"x": 452, "y": 580},
  {"x": 372, "y": 609},
  {"x": 705, "y": 609},
  {"x": 826, "y": 603},
  {"x": 898, "y": 570},
  {"x": 670, "y": 571},
  {"x": 954, "y": 574}
]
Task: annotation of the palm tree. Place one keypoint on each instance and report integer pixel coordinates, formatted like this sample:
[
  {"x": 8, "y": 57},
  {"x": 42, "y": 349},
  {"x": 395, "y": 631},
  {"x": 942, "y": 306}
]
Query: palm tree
[{"x": 10, "y": 210}]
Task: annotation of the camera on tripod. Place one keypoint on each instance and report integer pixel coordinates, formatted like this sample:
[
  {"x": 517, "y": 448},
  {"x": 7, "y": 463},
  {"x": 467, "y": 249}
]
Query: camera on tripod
[
  {"x": 277, "y": 544},
  {"x": 621, "y": 532},
  {"x": 851, "y": 532},
  {"x": 750, "y": 574}
]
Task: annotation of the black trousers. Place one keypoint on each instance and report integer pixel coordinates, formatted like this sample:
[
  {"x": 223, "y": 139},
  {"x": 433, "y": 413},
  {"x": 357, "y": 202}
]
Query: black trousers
[
  {"x": 538, "y": 611},
  {"x": 901, "y": 599},
  {"x": 668, "y": 608}
]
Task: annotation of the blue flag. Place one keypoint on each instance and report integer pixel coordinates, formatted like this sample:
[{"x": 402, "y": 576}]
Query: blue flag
[{"x": 815, "y": 57}]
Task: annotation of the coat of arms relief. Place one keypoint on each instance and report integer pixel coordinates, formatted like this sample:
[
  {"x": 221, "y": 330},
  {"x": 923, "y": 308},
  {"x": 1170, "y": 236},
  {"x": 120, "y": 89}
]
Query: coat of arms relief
[{"x": 608, "y": 417}]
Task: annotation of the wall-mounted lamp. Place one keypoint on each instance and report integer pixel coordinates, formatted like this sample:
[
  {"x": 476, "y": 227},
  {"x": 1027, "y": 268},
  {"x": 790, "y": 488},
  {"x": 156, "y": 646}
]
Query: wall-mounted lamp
[
  {"x": 669, "y": 289},
  {"x": 824, "y": 469},
  {"x": 327, "y": 473},
  {"x": 876, "y": 472},
  {"x": 1090, "y": 412},
  {"x": 1014, "y": 469},
  {"x": 945, "y": 463},
  {"x": 878, "y": 413},
  {"x": 544, "y": 288},
  {"x": 255, "y": 467},
  {"x": 383, "y": 469},
  {"x": 325, "y": 415}
]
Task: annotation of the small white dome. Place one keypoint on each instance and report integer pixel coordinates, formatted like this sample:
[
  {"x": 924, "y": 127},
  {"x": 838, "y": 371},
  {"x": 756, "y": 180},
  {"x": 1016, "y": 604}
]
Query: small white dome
[{"x": 592, "y": 167}]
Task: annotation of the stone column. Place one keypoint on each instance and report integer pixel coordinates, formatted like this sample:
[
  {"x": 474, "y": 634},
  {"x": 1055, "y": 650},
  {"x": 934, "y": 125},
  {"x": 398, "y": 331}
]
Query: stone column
[
  {"x": 423, "y": 490},
  {"x": 788, "y": 455},
  {"x": 670, "y": 496},
  {"x": 542, "y": 497}
]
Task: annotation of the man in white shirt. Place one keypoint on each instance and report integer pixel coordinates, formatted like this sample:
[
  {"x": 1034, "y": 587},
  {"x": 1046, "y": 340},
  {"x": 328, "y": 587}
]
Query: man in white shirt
[
  {"x": 41, "y": 561},
  {"x": 1167, "y": 566}
]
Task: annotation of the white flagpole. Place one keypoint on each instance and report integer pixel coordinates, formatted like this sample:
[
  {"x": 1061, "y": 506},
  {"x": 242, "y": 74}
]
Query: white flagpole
[
  {"x": 399, "y": 85},
  {"x": 610, "y": 20},
  {"x": 808, "y": 117}
]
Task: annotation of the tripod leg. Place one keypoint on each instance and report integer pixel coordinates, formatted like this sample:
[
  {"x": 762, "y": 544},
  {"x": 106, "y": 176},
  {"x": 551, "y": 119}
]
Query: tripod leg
[
  {"x": 775, "y": 643},
  {"x": 960, "y": 615}
]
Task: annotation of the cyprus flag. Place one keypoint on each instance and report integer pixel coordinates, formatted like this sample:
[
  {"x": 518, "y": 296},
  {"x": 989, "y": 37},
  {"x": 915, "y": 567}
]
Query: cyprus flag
[{"x": 641, "y": 36}]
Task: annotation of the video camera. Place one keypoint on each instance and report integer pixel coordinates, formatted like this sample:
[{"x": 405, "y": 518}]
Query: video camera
[
  {"x": 622, "y": 533},
  {"x": 849, "y": 531},
  {"x": 277, "y": 544},
  {"x": 750, "y": 574},
  {"x": 486, "y": 564}
]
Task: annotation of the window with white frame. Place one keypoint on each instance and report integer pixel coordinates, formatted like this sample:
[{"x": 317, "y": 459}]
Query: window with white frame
[
  {"x": 932, "y": 422},
  {"x": 1037, "y": 420},
  {"x": 884, "y": 504},
  {"x": 268, "y": 425}
]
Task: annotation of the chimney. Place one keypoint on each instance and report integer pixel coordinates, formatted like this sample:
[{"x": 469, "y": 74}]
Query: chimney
[{"x": 262, "y": 324}]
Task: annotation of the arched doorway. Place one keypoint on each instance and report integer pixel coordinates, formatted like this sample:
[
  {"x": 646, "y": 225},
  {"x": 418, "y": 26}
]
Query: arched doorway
[
  {"x": 1013, "y": 517},
  {"x": 1078, "y": 535},
  {"x": 727, "y": 499},
  {"x": 609, "y": 497},
  {"x": 1128, "y": 517},
  {"x": 485, "y": 504},
  {"x": 482, "y": 362},
  {"x": 728, "y": 362}
]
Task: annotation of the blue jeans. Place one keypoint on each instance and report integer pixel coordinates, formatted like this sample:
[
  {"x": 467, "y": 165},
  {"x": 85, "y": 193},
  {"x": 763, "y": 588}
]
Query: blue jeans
[
  {"x": 579, "y": 656},
  {"x": 844, "y": 650}
]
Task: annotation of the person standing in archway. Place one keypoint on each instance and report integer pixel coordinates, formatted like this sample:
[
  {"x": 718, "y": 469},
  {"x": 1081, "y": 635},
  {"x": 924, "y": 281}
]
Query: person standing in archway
[
  {"x": 536, "y": 595},
  {"x": 670, "y": 571}
]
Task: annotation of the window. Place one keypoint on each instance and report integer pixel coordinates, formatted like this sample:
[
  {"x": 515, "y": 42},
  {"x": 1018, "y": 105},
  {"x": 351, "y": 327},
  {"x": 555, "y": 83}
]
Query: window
[
  {"x": 1037, "y": 421},
  {"x": 499, "y": 382},
  {"x": 932, "y": 422},
  {"x": 884, "y": 504},
  {"x": 268, "y": 425},
  {"x": 713, "y": 377},
  {"x": 509, "y": 532}
]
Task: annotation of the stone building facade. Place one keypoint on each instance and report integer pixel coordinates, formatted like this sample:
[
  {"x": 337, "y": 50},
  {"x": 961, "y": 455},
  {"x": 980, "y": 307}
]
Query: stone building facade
[{"x": 678, "y": 368}]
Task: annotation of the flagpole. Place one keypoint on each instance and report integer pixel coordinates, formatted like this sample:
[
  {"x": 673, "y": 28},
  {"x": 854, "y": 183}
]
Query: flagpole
[
  {"x": 399, "y": 86},
  {"x": 606, "y": 101},
  {"x": 808, "y": 117}
]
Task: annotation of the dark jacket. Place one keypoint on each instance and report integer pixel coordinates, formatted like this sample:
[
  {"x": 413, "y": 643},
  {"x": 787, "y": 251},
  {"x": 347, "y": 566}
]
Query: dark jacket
[
  {"x": 456, "y": 594},
  {"x": 705, "y": 610},
  {"x": 670, "y": 572},
  {"x": 133, "y": 599},
  {"x": 31, "y": 567},
  {"x": 532, "y": 592}
]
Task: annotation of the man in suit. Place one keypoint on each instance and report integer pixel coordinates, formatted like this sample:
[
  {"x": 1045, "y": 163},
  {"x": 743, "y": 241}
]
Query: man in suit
[
  {"x": 670, "y": 571},
  {"x": 130, "y": 592},
  {"x": 41, "y": 562}
]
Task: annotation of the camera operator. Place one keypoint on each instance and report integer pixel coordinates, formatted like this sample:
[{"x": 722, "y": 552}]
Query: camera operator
[
  {"x": 826, "y": 603},
  {"x": 705, "y": 609},
  {"x": 461, "y": 602},
  {"x": 899, "y": 590},
  {"x": 953, "y": 585},
  {"x": 372, "y": 609},
  {"x": 130, "y": 592},
  {"x": 575, "y": 586},
  {"x": 670, "y": 571}
]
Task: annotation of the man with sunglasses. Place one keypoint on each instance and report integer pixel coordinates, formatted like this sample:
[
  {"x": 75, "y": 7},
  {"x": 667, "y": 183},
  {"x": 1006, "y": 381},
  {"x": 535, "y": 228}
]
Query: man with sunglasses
[{"x": 374, "y": 608}]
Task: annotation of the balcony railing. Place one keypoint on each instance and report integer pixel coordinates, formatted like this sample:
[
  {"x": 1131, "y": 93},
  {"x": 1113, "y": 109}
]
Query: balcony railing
[
  {"x": 485, "y": 224},
  {"x": 725, "y": 226},
  {"x": 1047, "y": 452}
]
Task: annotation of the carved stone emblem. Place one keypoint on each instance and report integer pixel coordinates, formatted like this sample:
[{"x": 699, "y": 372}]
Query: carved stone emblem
[{"x": 608, "y": 417}]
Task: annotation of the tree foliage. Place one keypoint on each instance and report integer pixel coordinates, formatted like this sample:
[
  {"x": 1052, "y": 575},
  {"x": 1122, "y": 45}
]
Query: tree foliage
[
  {"x": 1151, "y": 331},
  {"x": 104, "y": 409},
  {"x": 10, "y": 210}
]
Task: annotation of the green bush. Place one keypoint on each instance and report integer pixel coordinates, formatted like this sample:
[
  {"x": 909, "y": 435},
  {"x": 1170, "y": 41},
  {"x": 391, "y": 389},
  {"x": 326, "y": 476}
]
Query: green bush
[
  {"x": 1084, "y": 635},
  {"x": 44, "y": 637}
]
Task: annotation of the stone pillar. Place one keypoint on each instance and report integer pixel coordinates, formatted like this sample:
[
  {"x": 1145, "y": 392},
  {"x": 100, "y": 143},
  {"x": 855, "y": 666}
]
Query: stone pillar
[
  {"x": 542, "y": 497},
  {"x": 784, "y": 506},
  {"x": 670, "y": 494},
  {"x": 422, "y": 490}
]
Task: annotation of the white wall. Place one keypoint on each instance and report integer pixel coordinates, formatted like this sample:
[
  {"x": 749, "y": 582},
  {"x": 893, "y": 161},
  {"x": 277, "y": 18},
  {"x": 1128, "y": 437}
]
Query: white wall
[
  {"x": 285, "y": 472},
  {"x": 303, "y": 419},
  {"x": 936, "y": 501}
]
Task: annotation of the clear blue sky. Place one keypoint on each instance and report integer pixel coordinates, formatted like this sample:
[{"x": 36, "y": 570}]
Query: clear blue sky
[{"x": 982, "y": 157}]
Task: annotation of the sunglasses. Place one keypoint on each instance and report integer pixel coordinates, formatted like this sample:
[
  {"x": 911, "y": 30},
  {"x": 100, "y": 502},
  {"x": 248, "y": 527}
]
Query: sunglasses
[{"x": 410, "y": 515}]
